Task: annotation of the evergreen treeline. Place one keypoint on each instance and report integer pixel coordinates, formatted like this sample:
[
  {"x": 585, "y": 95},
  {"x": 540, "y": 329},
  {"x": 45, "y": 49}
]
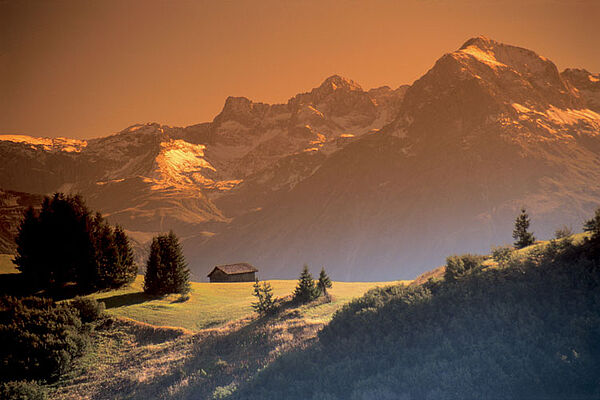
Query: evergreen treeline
[
  {"x": 65, "y": 243},
  {"x": 528, "y": 328}
]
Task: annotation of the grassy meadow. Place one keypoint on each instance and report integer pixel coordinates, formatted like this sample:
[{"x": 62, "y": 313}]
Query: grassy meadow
[{"x": 214, "y": 304}]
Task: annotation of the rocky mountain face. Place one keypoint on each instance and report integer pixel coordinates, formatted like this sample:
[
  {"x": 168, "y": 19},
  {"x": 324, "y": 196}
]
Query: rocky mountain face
[
  {"x": 378, "y": 184},
  {"x": 12, "y": 206}
]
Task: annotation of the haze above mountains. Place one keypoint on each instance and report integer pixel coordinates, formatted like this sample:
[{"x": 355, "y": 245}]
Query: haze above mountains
[{"x": 377, "y": 184}]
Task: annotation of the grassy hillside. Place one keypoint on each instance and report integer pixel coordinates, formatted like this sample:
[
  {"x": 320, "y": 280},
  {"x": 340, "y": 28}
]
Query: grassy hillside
[
  {"x": 525, "y": 328},
  {"x": 224, "y": 342},
  {"x": 213, "y": 304}
]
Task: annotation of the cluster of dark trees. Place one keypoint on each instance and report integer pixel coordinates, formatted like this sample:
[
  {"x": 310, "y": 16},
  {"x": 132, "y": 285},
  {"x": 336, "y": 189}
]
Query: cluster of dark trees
[
  {"x": 66, "y": 243},
  {"x": 306, "y": 291},
  {"x": 527, "y": 328},
  {"x": 309, "y": 290}
]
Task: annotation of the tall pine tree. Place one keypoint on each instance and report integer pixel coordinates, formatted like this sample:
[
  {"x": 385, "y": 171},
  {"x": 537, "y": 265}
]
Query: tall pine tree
[
  {"x": 127, "y": 267},
  {"x": 166, "y": 268},
  {"x": 522, "y": 236}
]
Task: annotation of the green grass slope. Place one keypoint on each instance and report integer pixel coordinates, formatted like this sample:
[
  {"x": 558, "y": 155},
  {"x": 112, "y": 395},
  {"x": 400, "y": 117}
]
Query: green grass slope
[{"x": 214, "y": 304}]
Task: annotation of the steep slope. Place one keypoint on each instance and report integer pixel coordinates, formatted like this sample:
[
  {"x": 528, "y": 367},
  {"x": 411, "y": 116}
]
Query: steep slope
[
  {"x": 489, "y": 128},
  {"x": 526, "y": 330}
]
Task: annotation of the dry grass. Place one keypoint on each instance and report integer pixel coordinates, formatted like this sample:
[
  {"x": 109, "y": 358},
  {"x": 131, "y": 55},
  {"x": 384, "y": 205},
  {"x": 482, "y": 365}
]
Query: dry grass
[
  {"x": 131, "y": 360},
  {"x": 154, "y": 359}
]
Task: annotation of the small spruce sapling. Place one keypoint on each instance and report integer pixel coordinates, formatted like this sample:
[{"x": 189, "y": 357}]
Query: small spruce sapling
[
  {"x": 265, "y": 304},
  {"x": 323, "y": 283},
  {"x": 522, "y": 236},
  {"x": 593, "y": 225},
  {"x": 306, "y": 290}
]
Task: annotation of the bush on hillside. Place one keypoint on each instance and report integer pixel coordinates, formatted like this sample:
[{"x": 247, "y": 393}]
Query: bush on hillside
[
  {"x": 90, "y": 310},
  {"x": 459, "y": 266},
  {"x": 40, "y": 338},
  {"x": 22, "y": 390},
  {"x": 502, "y": 255}
]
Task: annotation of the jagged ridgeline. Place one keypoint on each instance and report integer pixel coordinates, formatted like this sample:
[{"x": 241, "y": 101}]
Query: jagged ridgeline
[
  {"x": 394, "y": 178},
  {"x": 526, "y": 329}
]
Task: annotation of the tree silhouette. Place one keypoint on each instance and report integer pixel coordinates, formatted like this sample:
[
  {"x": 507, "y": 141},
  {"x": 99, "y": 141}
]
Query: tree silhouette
[
  {"x": 522, "y": 236},
  {"x": 324, "y": 282},
  {"x": 166, "y": 268},
  {"x": 306, "y": 289}
]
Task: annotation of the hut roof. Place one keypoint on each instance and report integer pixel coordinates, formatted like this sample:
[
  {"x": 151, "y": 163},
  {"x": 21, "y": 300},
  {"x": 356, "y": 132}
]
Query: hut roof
[{"x": 234, "y": 269}]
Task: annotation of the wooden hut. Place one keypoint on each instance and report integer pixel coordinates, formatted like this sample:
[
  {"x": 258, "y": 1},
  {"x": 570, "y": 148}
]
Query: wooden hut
[{"x": 240, "y": 272}]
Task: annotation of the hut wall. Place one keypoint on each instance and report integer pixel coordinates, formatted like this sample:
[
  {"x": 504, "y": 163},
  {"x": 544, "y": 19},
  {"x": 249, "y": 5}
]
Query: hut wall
[{"x": 219, "y": 276}]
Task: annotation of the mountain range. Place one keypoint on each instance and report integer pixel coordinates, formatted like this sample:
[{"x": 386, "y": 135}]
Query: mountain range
[{"x": 371, "y": 184}]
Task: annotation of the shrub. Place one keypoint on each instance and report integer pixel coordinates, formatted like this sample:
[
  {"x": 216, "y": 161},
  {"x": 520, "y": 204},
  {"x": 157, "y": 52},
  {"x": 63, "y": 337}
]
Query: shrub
[
  {"x": 39, "y": 337},
  {"x": 22, "y": 390},
  {"x": 563, "y": 232},
  {"x": 502, "y": 255},
  {"x": 90, "y": 310},
  {"x": 459, "y": 266}
]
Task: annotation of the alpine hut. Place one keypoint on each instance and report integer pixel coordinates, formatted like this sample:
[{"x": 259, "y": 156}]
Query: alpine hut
[{"x": 240, "y": 272}]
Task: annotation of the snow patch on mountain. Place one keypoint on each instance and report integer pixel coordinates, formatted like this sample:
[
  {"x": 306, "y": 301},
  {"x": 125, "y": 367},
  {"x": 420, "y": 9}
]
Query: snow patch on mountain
[{"x": 48, "y": 144}]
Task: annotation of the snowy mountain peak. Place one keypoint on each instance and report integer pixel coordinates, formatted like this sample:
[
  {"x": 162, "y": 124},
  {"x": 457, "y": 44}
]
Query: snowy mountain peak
[
  {"x": 241, "y": 109},
  {"x": 336, "y": 82},
  {"x": 47, "y": 144}
]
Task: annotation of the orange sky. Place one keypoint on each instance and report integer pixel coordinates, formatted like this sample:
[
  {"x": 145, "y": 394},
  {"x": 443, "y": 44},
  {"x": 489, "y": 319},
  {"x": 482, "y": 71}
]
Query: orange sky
[{"x": 90, "y": 68}]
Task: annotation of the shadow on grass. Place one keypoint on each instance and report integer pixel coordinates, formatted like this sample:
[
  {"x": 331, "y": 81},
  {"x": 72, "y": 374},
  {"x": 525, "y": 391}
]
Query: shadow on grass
[{"x": 127, "y": 299}]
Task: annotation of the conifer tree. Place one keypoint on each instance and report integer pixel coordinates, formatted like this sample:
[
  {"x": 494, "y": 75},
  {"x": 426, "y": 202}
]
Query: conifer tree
[
  {"x": 593, "y": 225},
  {"x": 323, "y": 283},
  {"x": 264, "y": 295},
  {"x": 127, "y": 267},
  {"x": 166, "y": 268},
  {"x": 153, "y": 276},
  {"x": 522, "y": 236},
  {"x": 306, "y": 290},
  {"x": 179, "y": 271},
  {"x": 107, "y": 256}
]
